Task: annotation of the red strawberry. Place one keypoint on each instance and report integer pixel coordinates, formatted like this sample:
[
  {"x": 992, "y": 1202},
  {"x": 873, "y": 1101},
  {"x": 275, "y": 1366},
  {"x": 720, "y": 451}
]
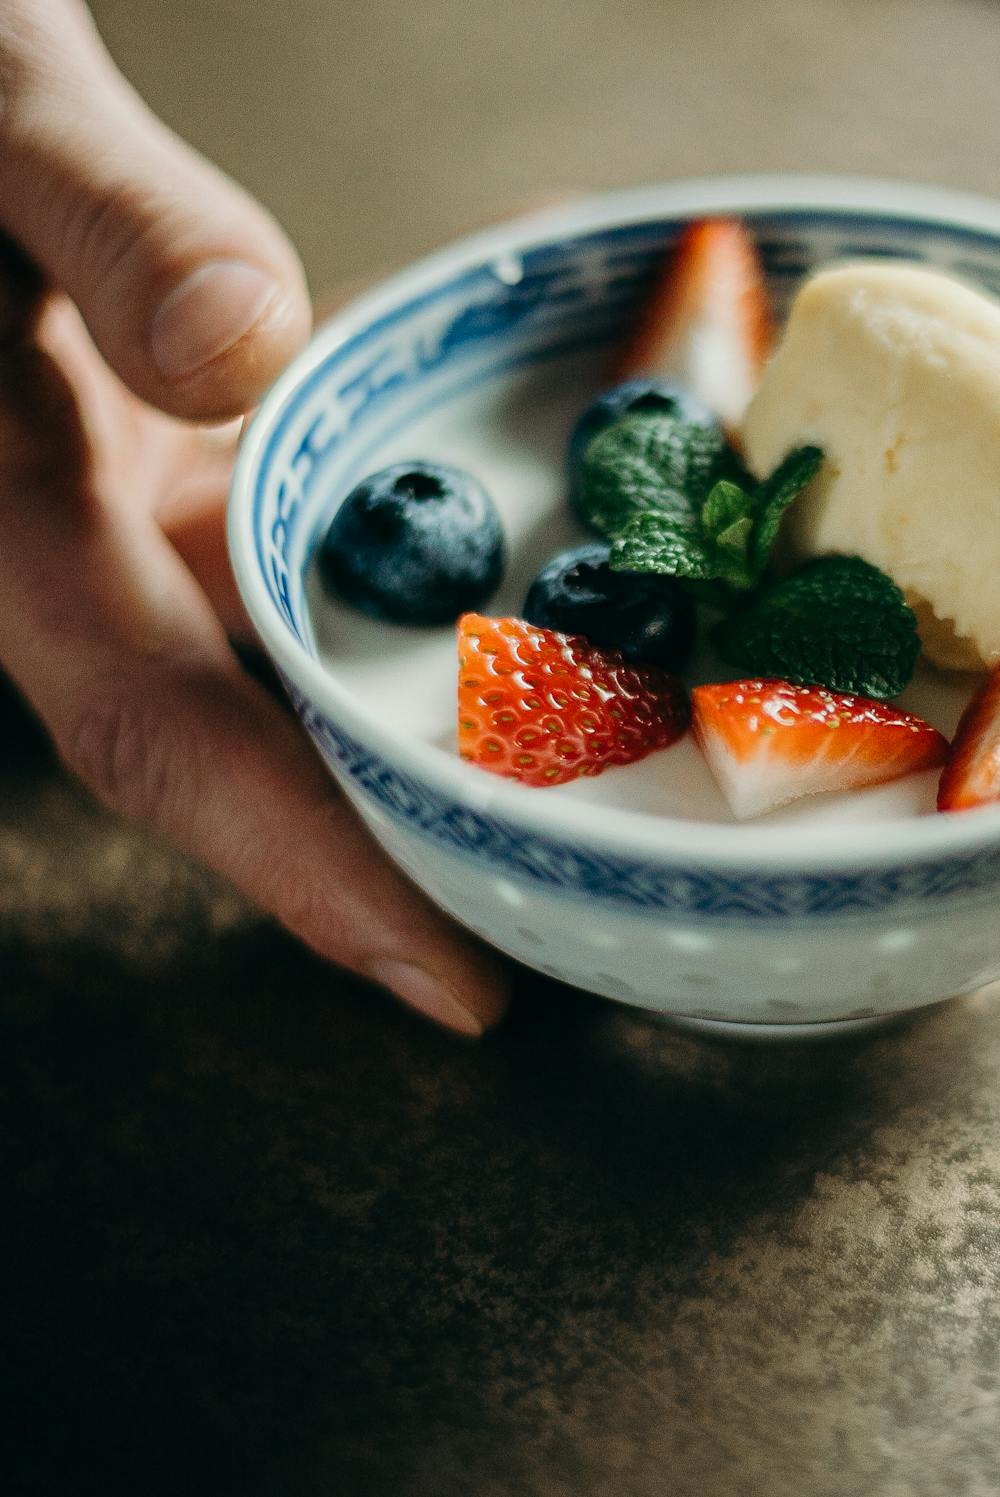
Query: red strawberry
[
  {"x": 708, "y": 324},
  {"x": 769, "y": 742},
  {"x": 543, "y": 708},
  {"x": 972, "y": 775}
]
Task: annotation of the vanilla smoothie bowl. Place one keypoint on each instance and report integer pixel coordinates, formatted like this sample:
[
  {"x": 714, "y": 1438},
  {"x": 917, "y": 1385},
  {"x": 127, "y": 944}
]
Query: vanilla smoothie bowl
[{"x": 652, "y": 689}]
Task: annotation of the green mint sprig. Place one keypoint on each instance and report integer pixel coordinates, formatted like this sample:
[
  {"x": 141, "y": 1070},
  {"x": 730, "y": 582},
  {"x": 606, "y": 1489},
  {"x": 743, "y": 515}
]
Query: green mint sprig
[
  {"x": 775, "y": 494},
  {"x": 650, "y": 462},
  {"x": 674, "y": 499},
  {"x": 729, "y": 538},
  {"x": 838, "y": 622}
]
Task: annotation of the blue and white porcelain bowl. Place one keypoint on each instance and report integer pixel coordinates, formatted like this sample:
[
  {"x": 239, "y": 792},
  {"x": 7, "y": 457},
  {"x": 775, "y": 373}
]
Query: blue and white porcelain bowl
[{"x": 635, "y": 885}]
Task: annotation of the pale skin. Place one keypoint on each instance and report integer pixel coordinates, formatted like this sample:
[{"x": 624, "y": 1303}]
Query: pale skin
[{"x": 164, "y": 299}]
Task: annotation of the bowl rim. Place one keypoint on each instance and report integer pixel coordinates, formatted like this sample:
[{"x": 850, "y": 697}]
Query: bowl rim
[{"x": 788, "y": 848}]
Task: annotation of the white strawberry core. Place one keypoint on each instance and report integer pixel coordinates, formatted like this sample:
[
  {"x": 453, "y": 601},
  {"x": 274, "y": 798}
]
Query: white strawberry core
[{"x": 715, "y": 366}]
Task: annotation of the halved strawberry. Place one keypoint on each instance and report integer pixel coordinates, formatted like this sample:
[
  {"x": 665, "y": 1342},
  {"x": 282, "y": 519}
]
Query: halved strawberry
[
  {"x": 708, "y": 324},
  {"x": 769, "y": 742},
  {"x": 972, "y": 775},
  {"x": 544, "y": 708}
]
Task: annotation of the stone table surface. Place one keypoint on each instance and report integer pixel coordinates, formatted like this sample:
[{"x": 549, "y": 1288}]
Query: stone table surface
[{"x": 266, "y": 1234}]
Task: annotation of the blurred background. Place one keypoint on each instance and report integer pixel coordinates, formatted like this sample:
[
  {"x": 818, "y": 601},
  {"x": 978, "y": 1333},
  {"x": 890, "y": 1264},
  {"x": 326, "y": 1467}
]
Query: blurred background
[{"x": 377, "y": 130}]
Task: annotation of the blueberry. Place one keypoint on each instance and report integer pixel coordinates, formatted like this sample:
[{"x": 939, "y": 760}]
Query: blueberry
[
  {"x": 417, "y": 543},
  {"x": 649, "y": 619},
  {"x": 634, "y": 395}
]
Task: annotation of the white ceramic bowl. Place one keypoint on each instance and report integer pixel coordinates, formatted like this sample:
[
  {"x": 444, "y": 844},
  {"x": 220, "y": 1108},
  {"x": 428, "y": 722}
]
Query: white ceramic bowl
[{"x": 787, "y": 922}]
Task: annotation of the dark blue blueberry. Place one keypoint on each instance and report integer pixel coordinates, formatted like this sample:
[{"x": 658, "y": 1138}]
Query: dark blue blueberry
[
  {"x": 649, "y": 619},
  {"x": 647, "y": 394},
  {"x": 417, "y": 543}
]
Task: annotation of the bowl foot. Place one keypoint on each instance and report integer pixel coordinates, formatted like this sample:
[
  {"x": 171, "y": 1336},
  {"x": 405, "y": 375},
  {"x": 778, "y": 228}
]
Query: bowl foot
[{"x": 781, "y": 1033}]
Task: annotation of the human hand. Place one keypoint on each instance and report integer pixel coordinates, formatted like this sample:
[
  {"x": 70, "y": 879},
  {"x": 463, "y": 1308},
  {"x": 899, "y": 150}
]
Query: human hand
[{"x": 162, "y": 285}]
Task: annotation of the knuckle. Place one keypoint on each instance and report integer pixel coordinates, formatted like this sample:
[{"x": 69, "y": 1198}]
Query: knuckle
[
  {"x": 129, "y": 753},
  {"x": 312, "y": 908},
  {"x": 104, "y": 234},
  {"x": 61, "y": 107}
]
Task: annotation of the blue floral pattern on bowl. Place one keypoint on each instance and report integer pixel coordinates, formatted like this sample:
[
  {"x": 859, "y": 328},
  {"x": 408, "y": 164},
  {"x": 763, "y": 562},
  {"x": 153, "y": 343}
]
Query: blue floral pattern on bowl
[{"x": 634, "y": 883}]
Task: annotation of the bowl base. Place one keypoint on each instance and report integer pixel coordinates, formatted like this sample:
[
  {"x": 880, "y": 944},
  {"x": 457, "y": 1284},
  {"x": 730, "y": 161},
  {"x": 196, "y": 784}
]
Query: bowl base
[{"x": 729, "y": 1029}]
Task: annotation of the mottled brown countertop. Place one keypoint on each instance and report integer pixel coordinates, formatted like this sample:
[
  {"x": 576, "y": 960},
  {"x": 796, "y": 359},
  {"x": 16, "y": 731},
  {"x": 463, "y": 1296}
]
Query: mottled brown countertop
[{"x": 266, "y": 1234}]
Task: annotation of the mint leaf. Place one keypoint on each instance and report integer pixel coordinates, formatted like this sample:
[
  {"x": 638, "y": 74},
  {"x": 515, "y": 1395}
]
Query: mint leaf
[
  {"x": 727, "y": 528},
  {"x": 666, "y": 543},
  {"x": 729, "y": 537},
  {"x": 839, "y": 622},
  {"x": 730, "y": 554},
  {"x": 647, "y": 461},
  {"x": 774, "y": 496},
  {"x": 725, "y": 506},
  {"x": 677, "y": 546}
]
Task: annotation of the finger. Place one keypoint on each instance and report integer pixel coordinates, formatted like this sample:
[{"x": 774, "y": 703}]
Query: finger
[
  {"x": 184, "y": 470},
  {"x": 190, "y": 290},
  {"x": 108, "y": 635}
]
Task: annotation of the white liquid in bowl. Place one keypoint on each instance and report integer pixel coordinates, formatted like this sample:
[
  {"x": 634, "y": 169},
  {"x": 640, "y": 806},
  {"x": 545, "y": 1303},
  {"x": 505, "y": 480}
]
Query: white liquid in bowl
[{"x": 513, "y": 436}]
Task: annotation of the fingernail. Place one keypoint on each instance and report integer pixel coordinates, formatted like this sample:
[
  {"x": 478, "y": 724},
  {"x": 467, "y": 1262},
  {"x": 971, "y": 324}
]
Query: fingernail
[
  {"x": 206, "y": 314},
  {"x": 428, "y": 994}
]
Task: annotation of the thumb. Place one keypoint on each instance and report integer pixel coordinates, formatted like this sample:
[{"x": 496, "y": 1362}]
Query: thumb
[{"x": 190, "y": 290}]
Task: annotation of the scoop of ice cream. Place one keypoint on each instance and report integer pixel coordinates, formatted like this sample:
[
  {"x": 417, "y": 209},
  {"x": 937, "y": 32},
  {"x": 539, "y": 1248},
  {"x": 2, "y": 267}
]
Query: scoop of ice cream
[{"x": 895, "y": 372}]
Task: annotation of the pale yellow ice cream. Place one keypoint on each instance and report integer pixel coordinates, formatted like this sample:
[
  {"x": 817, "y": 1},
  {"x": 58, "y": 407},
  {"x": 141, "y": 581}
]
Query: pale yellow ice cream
[{"x": 895, "y": 372}]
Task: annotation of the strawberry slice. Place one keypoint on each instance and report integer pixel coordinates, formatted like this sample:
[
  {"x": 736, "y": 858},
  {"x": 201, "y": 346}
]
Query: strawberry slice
[
  {"x": 544, "y": 708},
  {"x": 769, "y": 742},
  {"x": 708, "y": 324},
  {"x": 972, "y": 775}
]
